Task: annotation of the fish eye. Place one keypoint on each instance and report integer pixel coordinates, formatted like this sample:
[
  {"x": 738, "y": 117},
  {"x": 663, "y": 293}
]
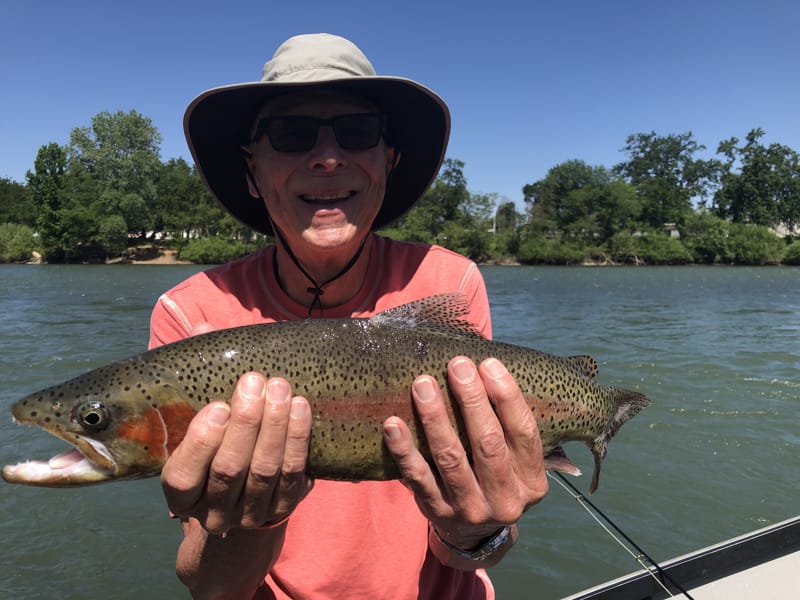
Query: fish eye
[{"x": 93, "y": 415}]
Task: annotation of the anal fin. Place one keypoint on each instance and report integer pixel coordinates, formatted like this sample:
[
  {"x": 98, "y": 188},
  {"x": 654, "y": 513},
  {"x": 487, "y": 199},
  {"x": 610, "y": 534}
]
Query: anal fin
[{"x": 556, "y": 460}]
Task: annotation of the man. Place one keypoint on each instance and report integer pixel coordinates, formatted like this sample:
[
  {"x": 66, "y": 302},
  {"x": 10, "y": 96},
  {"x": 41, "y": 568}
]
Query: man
[{"x": 319, "y": 153}]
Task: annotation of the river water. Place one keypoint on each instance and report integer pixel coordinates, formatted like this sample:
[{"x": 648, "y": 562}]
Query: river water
[{"x": 716, "y": 349}]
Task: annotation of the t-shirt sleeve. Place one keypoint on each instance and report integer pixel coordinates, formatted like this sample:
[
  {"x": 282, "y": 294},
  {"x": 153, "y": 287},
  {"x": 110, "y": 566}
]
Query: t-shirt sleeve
[
  {"x": 168, "y": 323},
  {"x": 474, "y": 289}
]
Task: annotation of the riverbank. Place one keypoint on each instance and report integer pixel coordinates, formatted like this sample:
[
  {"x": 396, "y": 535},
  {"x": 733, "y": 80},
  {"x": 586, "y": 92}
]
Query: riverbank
[
  {"x": 161, "y": 255},
  {"x": 149, "y": 255},
  {"x": 164, "y": 257}
]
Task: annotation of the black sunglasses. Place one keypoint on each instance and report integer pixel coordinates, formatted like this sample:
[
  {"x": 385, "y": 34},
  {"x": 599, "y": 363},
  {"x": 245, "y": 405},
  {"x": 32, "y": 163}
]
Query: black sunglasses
[{"x": 359, "y": 131}]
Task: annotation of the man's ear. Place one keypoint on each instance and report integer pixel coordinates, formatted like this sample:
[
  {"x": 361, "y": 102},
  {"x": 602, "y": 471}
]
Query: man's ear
[{"x": 393, "y": 156}]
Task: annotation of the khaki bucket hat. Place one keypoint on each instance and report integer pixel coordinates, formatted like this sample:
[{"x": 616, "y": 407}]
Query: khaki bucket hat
[{"x": 219, "y": 121}]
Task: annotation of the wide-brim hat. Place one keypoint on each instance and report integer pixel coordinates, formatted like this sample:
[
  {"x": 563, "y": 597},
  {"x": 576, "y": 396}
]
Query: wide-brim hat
[{"x": 219, "y": 121}]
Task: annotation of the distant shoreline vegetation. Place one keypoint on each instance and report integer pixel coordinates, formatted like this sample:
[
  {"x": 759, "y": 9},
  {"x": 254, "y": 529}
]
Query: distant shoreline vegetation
[
  {"x": 107, "y": 195},
  {"x": 750, "y": 247}
]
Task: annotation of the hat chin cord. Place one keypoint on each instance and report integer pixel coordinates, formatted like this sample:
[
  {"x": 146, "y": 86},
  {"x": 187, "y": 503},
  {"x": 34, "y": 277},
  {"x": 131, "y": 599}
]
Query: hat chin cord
[{"x": 315, "y": 288}]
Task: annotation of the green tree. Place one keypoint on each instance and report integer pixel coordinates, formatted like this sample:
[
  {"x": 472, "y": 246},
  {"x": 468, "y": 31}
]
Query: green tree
[
  {"x": 112, "y": 235},
  {"x": 46, "y": 183},
  {"x": 184, "y": 206},
  {"x": 447, "y": 195},
  {"x": 472, "y": 227},
  {"x": 120, "y": 155},
  {"x": 506, "y": 217},
  {"x": 16, "y": 203},
  {"x": 505, "y": 230},
  {"x": 666, "y": 174},
  {"x": 448, "y": 214},
  {"x": 128, "y": 207},
  {"x": 766, "y": 190},
  {"x": 581, "y": 201},
  {"x": 439, "y": 204},
  {"x": 550, "y": 208},
  {"x": 601, "y": 210}
]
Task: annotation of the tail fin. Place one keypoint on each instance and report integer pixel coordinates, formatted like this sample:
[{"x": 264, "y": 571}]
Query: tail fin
[{"x": 628, "y": 405}]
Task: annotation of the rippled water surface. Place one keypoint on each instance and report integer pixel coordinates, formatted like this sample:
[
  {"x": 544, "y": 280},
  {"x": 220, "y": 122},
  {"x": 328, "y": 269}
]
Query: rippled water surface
[{"x": 716, "y": 349}]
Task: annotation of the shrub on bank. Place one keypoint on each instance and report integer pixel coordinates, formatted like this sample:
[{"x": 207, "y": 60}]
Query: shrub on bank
[
  {"x": 17, "y": 243},
  {"x": 792, "y": 256},
  {"x": 540, "y": 250},
  {"x": 213, "y": 251},
  {"x": 706, "y": 236},
  {"x": 755, "y": 245},
  {"x": 652, "y": 248},
  {"x": 660, "y": 249}
]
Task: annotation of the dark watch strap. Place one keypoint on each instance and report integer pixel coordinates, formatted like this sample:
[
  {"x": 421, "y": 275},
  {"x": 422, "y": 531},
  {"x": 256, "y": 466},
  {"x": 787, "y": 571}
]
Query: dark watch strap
[{"x": 483, "y": 551}]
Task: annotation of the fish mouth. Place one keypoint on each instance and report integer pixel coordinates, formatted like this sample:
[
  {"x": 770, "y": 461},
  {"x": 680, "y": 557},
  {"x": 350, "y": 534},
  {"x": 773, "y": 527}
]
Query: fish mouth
[{"x": 88, "y": 462}]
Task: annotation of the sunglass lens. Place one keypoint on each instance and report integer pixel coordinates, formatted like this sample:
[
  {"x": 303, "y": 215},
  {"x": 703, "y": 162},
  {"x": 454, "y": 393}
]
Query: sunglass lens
[
  {"x": 293, "y": 134},
  {"x": 299, "y": 134},
  {"x": 358, "y": 132}
]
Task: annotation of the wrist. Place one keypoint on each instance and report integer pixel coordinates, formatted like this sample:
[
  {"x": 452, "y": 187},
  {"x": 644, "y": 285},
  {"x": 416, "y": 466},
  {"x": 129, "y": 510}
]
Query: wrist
[
  {"x": 486, "y": 553},
  {"x": 275, "y": 524}
]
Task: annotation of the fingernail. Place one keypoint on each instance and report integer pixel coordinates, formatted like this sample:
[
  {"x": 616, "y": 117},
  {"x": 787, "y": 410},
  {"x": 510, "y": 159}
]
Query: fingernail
[
  {"x": 218, "y": 415},
  {"x": 299, "y": 409},
  {"x": 391, "y": 431},
  {"x": 252, "y": 386},
  {"x": 277, "y": 392},
  {"x": 464, "y": 370},
  {"x": 495, "y": 368},
  {"x": 425, "y": 389}
]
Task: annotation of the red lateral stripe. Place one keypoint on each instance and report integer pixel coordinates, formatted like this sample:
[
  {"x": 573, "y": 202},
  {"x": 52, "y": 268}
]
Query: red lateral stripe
[
  {"x": 176, "y": 421},
  {"x": 147, "y": 430}
]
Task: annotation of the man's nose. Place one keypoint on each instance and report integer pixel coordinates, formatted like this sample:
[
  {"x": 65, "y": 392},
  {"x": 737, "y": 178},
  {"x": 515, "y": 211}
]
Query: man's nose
[{"x": 326, "y": 153}]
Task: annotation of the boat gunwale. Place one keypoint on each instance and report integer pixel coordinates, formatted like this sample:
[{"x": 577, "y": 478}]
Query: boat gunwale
[{"x": 702, "y": 566}]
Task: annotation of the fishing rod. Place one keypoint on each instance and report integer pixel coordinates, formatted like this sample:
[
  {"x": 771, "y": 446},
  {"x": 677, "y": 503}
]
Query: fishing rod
[{"x": 596, "y": 512}]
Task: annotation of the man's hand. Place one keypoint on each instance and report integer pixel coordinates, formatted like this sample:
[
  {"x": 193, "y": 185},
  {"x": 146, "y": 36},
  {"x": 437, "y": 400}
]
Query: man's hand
[
  {"x": 242, "y": 465},
  {"x": 467, "y": 503}
]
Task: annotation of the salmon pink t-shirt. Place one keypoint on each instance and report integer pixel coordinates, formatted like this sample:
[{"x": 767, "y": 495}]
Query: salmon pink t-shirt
[{"x": 344, "y": 540}]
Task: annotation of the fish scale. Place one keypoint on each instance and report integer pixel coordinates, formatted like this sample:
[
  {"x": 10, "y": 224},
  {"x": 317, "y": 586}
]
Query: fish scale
[{"x": 124, "y": 419}]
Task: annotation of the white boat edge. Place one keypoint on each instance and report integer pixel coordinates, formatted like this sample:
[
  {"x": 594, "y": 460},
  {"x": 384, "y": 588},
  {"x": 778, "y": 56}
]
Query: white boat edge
[{"x": 763, "y": 564}]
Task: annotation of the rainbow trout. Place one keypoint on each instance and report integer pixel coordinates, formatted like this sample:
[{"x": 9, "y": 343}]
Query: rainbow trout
[{"x": 124, "y": 419}]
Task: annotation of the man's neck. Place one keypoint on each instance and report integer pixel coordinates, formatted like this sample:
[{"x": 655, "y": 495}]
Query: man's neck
[{"x": 339, "y": 280}]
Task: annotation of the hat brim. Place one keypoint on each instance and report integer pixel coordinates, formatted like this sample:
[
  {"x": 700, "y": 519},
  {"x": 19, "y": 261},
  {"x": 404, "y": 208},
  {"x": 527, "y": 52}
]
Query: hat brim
[{"x": 217, "y": 122}]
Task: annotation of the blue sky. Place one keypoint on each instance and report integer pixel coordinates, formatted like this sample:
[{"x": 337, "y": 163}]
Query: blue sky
[{"x": 529, "y": 84}]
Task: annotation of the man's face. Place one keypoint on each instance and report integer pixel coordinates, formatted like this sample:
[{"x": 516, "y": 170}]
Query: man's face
[{"x": 324, "y": 198}]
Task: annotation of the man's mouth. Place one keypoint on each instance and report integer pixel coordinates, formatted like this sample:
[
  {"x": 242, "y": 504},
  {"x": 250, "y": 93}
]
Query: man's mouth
[{"x": 327, "y": 198}]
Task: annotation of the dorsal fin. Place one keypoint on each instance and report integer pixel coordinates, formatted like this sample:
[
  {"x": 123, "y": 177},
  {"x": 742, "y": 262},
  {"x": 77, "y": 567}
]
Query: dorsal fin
[
  {"x": 439, "y": 311},
  {"x": 585, "y": 364}
]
